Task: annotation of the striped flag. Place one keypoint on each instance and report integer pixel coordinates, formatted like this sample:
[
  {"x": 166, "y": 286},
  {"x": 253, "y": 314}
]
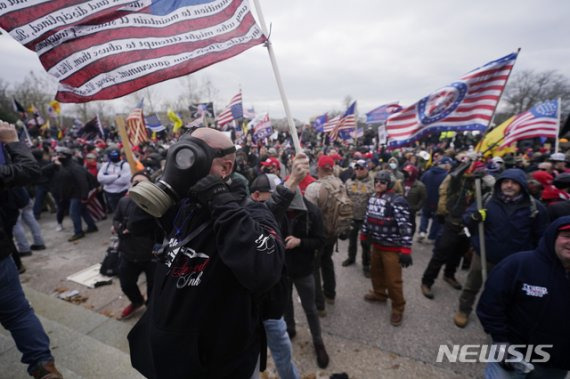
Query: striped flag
[
  {"x": 153, "y": 123},
  {"x": 136, "y": 130},
  {"x": 331, "y": 124},
  {"x": 262, "y": 127},
  {"x": 380, "y": 114},
  {"x": 233, "y": 111},
  {"x": 346, "y": 124},
  {"x": 539, "y": 121},
  {"x": 103, "y": 49},
  {"x": 467, "y": 104}
]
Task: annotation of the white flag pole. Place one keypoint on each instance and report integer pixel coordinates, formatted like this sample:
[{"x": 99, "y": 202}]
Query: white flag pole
[
  {"x": 557, "y": 137},
  {"x": 292, "y": 129}
]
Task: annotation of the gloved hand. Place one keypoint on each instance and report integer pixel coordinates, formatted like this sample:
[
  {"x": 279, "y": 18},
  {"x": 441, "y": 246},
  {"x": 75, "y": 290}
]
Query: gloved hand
[
  {"x": 405, "y": 260},
  {"x": 207, "y": 188},
  {"x": 343, "y": 236},
  {"x": 479, "y": 215}
]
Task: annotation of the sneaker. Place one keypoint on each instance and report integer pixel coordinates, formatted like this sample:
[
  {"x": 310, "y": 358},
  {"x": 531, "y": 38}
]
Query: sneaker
[
  {"x": 21, "y": 269},
  {"x": 322, "y": 355},
  {"x": 366, "y": 271},
  {"x": 461, "y": 319},
  {"x": 374, "y": 297},
  {"x": 46, "y": 370},
  {"x": 75, "y": 237},
  {"x": 422, "y": 236},
  {"x": 396, "y": 319},
  {"x": 452, "y": 282},
  {"x": 329, "y": 300},
  {"x": 347, "y": 262},
  {"x": 129, "y": 311},
  {"x": 426, "y": 291},
  {"x": 92, "y": 230},
  {"x": 59, "y": 228},
  {"x": 38, "y": 247},
  {"x": 25, "y": 253}
]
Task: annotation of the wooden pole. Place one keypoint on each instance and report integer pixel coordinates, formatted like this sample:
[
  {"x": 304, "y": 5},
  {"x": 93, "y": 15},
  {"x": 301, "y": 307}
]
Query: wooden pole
[{"x": 126, "y": 144}]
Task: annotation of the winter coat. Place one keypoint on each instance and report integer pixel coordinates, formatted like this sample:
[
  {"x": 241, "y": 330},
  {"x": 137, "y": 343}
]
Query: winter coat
[
  {"x": 432, "y": 178},
  {"x": 19, "y": 168},
  {"x": 308, "y": 227},
  {"x": 415, "y": 195},
  {"x": 523, "y": 222},
  {"x": 69, "y": 181},
  {"x": 204, "y": 317},
  {"x": 387, "y": 223},
  {"x": 527, "y": 300},
  {"x": 134, "y": 246}
]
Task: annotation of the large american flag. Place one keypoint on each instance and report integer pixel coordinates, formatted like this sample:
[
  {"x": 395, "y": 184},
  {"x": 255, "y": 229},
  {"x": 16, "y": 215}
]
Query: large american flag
[
  {"x": 467, "y": 104},
  {"x": 539, "y": 121},
  {"x": 103, "y": 49},
  {"x": 346, "y": 124},
  {"x": 331, "y": 124},
  {"x": 233, "y": 111},
  {"x": 136, "y": 130}
]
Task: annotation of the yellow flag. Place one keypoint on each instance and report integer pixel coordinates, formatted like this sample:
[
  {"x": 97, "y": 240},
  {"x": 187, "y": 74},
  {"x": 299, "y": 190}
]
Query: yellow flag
[
  {"x": 490, "y": 144},
  {"x": 175, "y": 120}
]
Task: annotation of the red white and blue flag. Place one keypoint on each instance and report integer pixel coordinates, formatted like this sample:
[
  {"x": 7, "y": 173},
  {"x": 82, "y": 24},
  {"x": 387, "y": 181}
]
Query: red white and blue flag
[
  {"x": 467, "y": 104},
  {"x": 136, "y": 129},
  {"x": 233, "y": 111},
  {"x": 380, "y": 114},
  {"x": 262, "y": 127},
  {"x": 539, "y": 121},
  {"x": 331, "y": 124},
  {"x": 103, "y": 49},
  {"x": 346, "y": 124}
]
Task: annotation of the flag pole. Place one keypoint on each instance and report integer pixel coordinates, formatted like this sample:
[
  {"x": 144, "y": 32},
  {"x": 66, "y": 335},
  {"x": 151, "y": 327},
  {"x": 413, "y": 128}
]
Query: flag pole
[
  {"x": 126, "y": 144},
  {"x": 557, "y": 137},
  {"x": 292, "y": 129}
]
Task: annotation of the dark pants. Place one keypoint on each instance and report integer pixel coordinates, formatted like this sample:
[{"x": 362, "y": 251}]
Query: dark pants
[
  {"x": 77, "y": 211},
  {"x": 62, "y": 208},
  {"x": 324, "y": 265},
  {"x": 306, "y": 289},
  {"x": 450, "y": 246},
  {"x": 472, "y": 284},
  {"x": 353, "y": 244},
  {"x": 113, "y": 200},
  {"x": 18, "y": 317},
  {"x": 129, "y": 275},
  {"x": 41, "y": 192}
]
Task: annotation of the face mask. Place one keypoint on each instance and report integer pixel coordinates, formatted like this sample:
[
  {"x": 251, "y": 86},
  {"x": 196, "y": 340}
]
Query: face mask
[
  {"x": 187, "y": 161},
  {"x": 393, "y": 166}
]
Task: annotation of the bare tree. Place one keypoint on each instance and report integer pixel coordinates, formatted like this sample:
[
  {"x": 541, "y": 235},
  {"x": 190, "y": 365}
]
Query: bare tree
[{"x": 526, "y": 88}]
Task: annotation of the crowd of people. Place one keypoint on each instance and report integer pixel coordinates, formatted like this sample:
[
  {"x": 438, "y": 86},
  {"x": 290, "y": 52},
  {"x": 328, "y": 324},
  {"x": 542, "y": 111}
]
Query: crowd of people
[{"x": 252, "y": 221}]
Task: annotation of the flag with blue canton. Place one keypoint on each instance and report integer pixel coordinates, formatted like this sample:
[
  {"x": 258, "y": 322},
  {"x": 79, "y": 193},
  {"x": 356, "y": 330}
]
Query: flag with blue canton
[
  {"x": 380, "y": 114},
  {"x": 319, "y": 123},
  {"x": 346, "y": 124},
  {"x": 153, "y": 123},
  {"x": 233, "y": 111},
  {"x": 542, "y": 120}
]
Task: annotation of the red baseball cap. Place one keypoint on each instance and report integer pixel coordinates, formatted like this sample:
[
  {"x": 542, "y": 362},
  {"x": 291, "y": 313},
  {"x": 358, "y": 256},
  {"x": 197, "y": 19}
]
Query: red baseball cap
[
  {"x": 564, "y": 227},
  {"x": 325, "y": 161},
  {"x": 271, "y": 161}
]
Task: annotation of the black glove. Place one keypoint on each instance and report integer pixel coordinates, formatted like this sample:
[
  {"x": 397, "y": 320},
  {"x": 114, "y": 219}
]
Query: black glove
[
  {"x": 405, "y": 260},
  {"x": 343, "y": 236},
  {"x": 207, "y": 188}
]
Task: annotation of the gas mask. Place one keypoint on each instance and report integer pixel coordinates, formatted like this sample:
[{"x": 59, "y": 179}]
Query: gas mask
[{"x": 187, "y": 161}]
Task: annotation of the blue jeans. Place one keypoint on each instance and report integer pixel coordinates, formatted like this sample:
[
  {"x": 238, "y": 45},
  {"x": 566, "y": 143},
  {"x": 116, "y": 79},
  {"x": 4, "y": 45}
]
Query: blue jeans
[
  {"x": 280, "y": 346},
  {"x": 27, "y": 217},
  {"x": 18, "y": 317},
  {"x": 77, "y": 210},
  {"x": 493, "y": 370},
  {"x": 428, "y": 214}
]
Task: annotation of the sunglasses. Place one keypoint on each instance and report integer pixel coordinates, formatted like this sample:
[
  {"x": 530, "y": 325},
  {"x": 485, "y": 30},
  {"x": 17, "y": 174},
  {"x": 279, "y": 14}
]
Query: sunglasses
[{"x": 377, "y": 181}]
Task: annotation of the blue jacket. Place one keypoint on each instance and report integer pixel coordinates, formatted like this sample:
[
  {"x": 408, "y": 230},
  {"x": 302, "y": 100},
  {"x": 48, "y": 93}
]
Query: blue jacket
[
  {"x": 509, "y": 228},
  {"x": 432, "y": 178},
  {"x": 527, "y": 299}
]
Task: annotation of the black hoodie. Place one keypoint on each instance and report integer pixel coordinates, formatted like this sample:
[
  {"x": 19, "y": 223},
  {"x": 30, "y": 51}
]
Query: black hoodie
[{"x": 527, "y": 299}]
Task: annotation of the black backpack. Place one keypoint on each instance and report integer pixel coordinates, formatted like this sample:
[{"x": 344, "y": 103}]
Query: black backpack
[{"x": 110, "y": 264}]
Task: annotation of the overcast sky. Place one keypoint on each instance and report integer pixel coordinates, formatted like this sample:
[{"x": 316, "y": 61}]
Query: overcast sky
[{"x": 374, "y": 51}]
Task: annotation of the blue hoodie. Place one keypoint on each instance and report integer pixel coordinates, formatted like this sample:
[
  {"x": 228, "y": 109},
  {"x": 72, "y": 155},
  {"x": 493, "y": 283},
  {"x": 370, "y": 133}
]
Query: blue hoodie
[
  {"x": 509, "y": 228},
  {"x": 527, "y": 299},
  {"x": 432, "y": 179}
]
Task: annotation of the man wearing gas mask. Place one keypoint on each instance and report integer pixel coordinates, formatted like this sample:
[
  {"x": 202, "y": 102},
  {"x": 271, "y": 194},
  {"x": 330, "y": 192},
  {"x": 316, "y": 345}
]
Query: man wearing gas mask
[
  {"x": 115, "y": 177},
  {"x": 203, "y": 319}
]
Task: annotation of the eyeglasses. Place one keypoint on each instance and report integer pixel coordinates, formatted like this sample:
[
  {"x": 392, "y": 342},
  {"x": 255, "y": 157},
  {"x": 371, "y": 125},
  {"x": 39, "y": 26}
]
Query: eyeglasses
[{"x": 378, "y": 181}]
